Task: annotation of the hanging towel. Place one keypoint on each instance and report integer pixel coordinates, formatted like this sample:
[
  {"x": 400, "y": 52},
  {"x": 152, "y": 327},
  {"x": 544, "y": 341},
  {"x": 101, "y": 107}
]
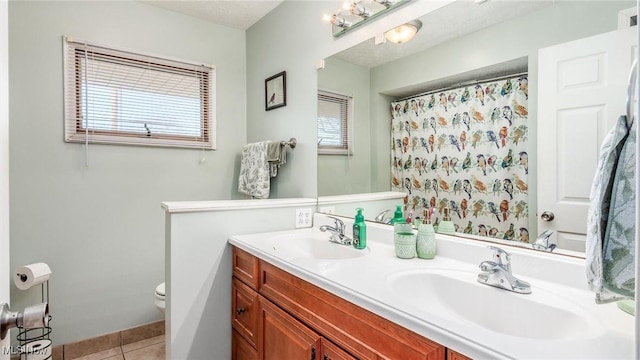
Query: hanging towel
[
  {"x": 620, "y": 235},
  {"x": 254, "y": 171},
  {"x": 276, "y": 156},
  {"x": 600, "y": 199}
]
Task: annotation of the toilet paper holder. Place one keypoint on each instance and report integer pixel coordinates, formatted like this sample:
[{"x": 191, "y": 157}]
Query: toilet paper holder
[{"x": 32, "y": 317}]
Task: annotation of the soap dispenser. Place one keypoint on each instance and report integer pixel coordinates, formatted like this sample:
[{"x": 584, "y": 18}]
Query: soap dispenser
[
  {"x": 404, "y": 239},
  {"x": 426, "y": 240},
  {"x": 446, "y": 226},
  {"x": 359, "y": 231},
  {"x": 397, "y": 216}
]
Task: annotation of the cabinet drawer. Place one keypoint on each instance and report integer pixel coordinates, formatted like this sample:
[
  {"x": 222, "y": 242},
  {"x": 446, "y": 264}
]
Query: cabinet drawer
[
  {"x": 245, "y": 311},
  {"x": 241, "y": 349},
  {"x": 245, "y": 267}
]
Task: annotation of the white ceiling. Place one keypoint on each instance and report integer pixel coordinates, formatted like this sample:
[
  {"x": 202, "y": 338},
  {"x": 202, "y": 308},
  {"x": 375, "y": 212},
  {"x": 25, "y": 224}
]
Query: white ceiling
[
  {"x": 457, "y": 19},
  {"x": 451, "y": 21},
  {"x": 233, "y": 13}
]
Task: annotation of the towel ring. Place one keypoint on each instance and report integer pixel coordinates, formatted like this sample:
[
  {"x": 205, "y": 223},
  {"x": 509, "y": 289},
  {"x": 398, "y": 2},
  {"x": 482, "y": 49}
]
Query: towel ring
[{"x": 631, "y": 90}]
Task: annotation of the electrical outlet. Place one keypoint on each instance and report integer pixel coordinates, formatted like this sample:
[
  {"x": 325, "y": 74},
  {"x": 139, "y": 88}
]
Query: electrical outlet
[
  {"x": 304, "y": 218},
  {"x": 327, "y": 210}
]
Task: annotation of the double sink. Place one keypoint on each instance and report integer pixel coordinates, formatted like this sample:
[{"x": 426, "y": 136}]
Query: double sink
[{"x": 442, "y": 299}]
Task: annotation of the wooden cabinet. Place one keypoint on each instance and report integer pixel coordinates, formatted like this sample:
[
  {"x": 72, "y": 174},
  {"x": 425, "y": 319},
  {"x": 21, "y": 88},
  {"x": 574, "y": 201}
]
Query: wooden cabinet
[
  {"x": 245, "y": 267},
  {"x": 241, "y": 349},
  {"x": 332, "y": 352},
  {"x": 453, "y": 355},
  {"x": 280, "y": 316},
  {"x": 244, "y": 308},
  {"x": 283, "y": 337}
]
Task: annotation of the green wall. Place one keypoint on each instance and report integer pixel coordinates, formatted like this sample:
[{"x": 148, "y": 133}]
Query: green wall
[{"x": 101, "y": 228}]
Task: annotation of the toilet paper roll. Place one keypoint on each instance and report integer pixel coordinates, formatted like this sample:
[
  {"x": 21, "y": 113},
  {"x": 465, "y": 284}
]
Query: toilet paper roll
[
  {"x": 31, "y": 275},
  {"x": 37, "y": 350}
]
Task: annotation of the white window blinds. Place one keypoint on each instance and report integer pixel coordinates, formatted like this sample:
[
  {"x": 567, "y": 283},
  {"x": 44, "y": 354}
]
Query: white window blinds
[
  {"x": 114, "y": 96},
  {"x": 334, "y": 117}
]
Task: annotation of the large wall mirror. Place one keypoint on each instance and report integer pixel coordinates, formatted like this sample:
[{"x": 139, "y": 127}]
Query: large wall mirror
[{"x": 495, "y": 110}]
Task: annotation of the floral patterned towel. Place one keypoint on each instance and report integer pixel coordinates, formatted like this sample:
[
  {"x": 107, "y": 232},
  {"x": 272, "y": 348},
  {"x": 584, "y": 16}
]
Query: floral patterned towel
[
  {"x": 618, "y": 252},
  {"x": 599, "y": 210},
  {"x": 254, "y": 176}
]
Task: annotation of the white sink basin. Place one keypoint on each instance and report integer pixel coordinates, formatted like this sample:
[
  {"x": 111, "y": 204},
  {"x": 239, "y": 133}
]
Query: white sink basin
[
  {"x": 458, "y": 296},
  {"x": 313, "y": 245}
]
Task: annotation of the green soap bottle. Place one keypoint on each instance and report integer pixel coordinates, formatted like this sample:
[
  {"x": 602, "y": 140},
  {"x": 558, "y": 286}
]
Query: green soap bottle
[
  {"x": 359, "y": 231},
  {"x": 400, "y": 225},
  {"x": 397, "y": 216}
]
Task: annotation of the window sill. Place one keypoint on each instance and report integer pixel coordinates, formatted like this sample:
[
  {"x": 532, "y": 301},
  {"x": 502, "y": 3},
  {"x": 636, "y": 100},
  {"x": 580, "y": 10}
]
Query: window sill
[{"x": 347, "y": 152}]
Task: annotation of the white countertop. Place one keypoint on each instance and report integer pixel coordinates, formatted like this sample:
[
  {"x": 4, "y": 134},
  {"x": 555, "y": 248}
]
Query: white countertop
[{"x": 366, "y": 280}]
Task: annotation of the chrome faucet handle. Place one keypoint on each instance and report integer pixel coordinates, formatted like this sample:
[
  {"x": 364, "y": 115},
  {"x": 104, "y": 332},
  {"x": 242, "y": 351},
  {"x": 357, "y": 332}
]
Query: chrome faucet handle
[
  {"x": 501, "y": 257},
  {"x": 544, "y": 237},
  {"x": 339, "y": 224},
  {"x": 380, "y": 216}
]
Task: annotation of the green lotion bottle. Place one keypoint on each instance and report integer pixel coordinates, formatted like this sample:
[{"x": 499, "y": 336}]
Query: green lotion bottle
[
  {"x": 446, "y": 226},
  {"x": 359, "y": 231}
]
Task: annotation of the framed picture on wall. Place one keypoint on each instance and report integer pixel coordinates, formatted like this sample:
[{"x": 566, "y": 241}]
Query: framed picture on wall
[{"x": 275, "y": 91}]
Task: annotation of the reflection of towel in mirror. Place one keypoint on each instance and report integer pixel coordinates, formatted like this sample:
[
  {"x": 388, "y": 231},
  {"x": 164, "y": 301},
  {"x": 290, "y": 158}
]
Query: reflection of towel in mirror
[
  {"x": 276, "y": 156},
  {"x": 254, "y": 171},
  {"x": 599, "y": 209},
  {"x": 619, "y": 244}
]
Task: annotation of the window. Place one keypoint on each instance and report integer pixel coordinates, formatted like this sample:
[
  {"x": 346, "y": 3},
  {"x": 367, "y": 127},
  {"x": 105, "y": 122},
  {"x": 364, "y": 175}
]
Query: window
[
  {"x": 334, "y": 119},
  {"x": 119, "y": 97}
]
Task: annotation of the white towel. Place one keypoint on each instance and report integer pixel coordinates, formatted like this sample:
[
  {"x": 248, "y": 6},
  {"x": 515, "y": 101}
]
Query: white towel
[
  {"x": 254, "y": 176},
  {"x": 598, "y": 215}
]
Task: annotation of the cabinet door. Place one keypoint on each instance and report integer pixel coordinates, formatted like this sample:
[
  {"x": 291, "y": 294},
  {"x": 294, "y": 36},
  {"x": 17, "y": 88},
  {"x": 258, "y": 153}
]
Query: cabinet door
[
  {"x": 453, "y": 355},
  {"x": 244, "y": 311},
  {"x": 241, "y": 349},
  {"x": 283, "y": 337},
  {"x": 330, "y": 351}
]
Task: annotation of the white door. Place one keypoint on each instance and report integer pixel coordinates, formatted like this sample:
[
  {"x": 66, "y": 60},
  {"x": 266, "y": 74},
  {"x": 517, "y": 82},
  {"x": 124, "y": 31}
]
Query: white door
[
  {"x": 4, "y": 166},
  {"x": 582, "y": 92}
]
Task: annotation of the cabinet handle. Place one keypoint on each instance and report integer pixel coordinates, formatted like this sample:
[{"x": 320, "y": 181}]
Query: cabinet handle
[{"x": 240, "y": 311}]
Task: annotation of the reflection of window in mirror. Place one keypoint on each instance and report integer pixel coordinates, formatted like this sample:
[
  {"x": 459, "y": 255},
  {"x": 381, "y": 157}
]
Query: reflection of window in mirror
[{"x": 335, "y": 112}]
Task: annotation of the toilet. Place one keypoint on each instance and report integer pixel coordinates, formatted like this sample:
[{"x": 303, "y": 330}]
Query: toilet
[{"x": 160, "y": 297}]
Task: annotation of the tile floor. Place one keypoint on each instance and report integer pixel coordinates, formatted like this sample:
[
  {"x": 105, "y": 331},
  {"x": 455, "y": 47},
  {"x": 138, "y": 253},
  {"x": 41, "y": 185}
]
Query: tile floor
[{"x": 147, "y": 349}]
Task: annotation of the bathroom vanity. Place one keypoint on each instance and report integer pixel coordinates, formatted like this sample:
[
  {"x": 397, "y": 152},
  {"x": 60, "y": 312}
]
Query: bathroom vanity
[
  {"x": 296, "y": 295},
  {"x": 278, "y": 315}
]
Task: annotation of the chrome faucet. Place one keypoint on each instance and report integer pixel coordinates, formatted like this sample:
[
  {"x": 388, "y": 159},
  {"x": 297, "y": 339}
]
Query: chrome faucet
[
  {"x": 381, "y": 217},
  {"x": 337, "y": 232},
  {"x": 498, "y": 273},
  {"x": 542, "y": 242}
]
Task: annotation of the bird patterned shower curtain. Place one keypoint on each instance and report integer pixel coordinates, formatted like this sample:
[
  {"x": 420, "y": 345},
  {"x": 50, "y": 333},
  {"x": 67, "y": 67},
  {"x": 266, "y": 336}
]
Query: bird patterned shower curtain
[{"x": 466, "y": 149}]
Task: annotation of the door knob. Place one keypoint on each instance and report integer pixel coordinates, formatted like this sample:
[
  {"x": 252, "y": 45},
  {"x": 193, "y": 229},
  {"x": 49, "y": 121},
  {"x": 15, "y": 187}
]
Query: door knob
[{"x": 547, "y": 216}]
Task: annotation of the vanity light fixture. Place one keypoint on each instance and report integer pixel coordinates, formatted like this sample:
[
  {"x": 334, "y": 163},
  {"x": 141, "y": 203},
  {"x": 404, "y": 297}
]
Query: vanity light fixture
[
  {"x": 385, "y": 3},
  {"x": 356, "y": 13},
  {"x": 357, "y": 9},
  {"x": 404, "y": 32},
  {"x": 338, "y": 21}
]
